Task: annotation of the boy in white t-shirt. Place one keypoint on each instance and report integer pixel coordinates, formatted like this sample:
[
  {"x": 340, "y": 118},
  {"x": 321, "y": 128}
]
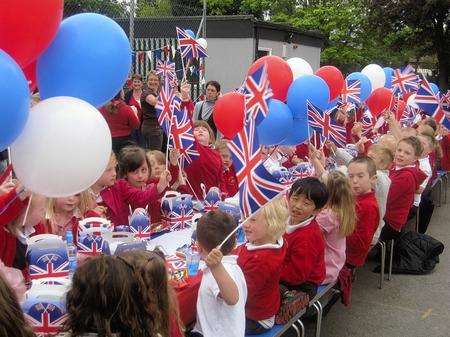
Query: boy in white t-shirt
[{"x": 223, "y": 291}]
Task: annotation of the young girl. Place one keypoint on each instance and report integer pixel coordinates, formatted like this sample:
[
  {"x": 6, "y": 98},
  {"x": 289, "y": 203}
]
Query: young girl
[
  {"x": 149, "y": 270},
  {"x": 260, "y": 260},
  {"x": 229, "y": 174},
  {"x": 118, "y": 196},
  {"x": 337, "y": 221},
  {"x": 107, "y": 299},
  {"x": 207, "y": 169}
]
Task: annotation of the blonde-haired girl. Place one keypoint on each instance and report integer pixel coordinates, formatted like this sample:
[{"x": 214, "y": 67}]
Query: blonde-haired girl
[
  {"x": 261, "y": 259},
  {"x": 337, "y": 221}
]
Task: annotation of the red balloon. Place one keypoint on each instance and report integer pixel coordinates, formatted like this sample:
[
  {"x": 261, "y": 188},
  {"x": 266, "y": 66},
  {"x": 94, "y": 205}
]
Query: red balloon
[
  {"x": 334, "y": 79},
  {"x": 379, "y": 100},
  {"x": 279, "y": 73},
  {"x": 27, "y": 27},
  {"x": 30, "y": 74},
  {"x": 228, "y": 114}
]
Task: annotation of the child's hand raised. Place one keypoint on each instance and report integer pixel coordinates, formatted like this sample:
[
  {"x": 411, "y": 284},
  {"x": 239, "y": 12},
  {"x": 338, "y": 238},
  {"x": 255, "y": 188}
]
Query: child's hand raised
[
  {"x": 174, "y": 154},
  {"x": 214, "y": 258},
  {"x": 164, "y": 181}
]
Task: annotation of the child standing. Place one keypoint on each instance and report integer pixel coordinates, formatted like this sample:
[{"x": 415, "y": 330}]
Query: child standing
[
  {"x": 304, "y": 266},
  {"x": 337, "y": 221},
  {"x": 230, "y": 182},
  {"x": 362, "y": 175},
  {"x": 261, "y": 259},
  {"x": 405, "y": 181},
  {"x": 223, "y": 292}
]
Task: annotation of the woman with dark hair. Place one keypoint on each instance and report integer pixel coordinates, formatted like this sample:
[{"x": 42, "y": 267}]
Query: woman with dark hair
[
  {"x": 152, "y": 133},
  {"x": 12, "y": 320},
  {"x": 204, "y": 110},
  {"x": 122, "y": 120},
  {"x": 133, "y": 99}
]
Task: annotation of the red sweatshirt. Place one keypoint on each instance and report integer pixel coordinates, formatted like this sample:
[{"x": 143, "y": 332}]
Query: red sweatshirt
[
  {"x": 367, "y": 220},
  {"x": 123, "y": 122},
  {"x": 404, "y": 183},
  {"x": 207, "y": 169},
  {"x": 262, "y": 269},
  {"x": 121, "y": 195},
  {"x": 230, "y": 183},
  {"x": 445, "y": 146},
  {"x": 305, "y": 256}
]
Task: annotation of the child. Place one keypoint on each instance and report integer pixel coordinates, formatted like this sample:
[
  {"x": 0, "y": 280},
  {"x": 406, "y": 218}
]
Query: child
[
  {"x": 337, "y": 221},
  {"x": 261, "y": 260},
  {"x": 229, "y": 174},
  {"x": 304, "y": 266},
  {"x": 106, "y": 298},
  {"x": 134, "y": 166},
  {"x": 383, "y": 159},
  {"x": 362, "y": 175},
  {"x": 405, "y": 181},
  {"x": 157, "y": 161},
  {"x": 118, "y": 196},
  {"x": 223, "y": 292},
  {"x": 149, "y": 270},
  {"x": 207, "y": 169}
]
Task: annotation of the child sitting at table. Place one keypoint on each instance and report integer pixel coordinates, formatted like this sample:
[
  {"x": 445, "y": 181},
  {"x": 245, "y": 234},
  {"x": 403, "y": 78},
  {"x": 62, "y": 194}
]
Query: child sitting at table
[
  {"x": 107, "y": 298},
  {"x": 303, "y": 269},
  {"x": 223, "y": 291},
  {"x": 261, "y": 259},
  {"x": 149, "y": 269},
  {"x": 118, "y": 196}
]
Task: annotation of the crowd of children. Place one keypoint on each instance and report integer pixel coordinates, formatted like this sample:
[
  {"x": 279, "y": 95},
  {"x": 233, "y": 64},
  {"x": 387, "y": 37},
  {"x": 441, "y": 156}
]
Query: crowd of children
[{"x": 317, "y": 233}]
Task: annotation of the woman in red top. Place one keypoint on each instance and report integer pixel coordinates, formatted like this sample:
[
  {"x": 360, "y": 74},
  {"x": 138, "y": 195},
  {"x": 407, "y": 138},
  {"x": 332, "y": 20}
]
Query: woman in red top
[
  {"x": 133, "y": 99},
  {"x": 121, "y": 120}
]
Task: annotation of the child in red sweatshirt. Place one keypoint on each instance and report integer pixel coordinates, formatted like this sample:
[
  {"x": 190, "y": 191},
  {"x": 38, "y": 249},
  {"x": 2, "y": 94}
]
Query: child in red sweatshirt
[
  {"x": 230, "y": 183},
  {"x": 406, "y": 178},
  {"x": 304, "y": 266},
  {"x": 362, "y": 175},
  {"x": 261, "y": 259}
]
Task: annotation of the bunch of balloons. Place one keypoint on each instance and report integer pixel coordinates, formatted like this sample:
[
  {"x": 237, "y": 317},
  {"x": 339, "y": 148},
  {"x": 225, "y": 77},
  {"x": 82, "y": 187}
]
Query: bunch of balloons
[{"x": 62, "y": 145}]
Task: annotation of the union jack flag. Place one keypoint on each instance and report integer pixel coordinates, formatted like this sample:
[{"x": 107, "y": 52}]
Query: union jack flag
[
  {"x": 181, "y": 137},
  {"x": 92, "y": 245},
  {"x": 212, "y": 199},
  {"x": 367, "y": 122},
  {"x": 165, "y": 69},
  {"x": 188, "y": 46},
  {"x": 284, "y": 176},
  {"x": 48, "y": 263},
  {"x": 351, "y": 92},
  {"x": 405, "y": 80},
  {"x": 166, "y": 106},
  {"x": 178, "y": 213},
  {"x": 322, "y": 122},
  {"x": 445, "y": 103},
  {"x": 256, "y": 185},
  {"x": 45, "y": 318},
  {"x": 316, "y": 140},
  {"x": 257, "y": 93},
  {"x": 429, "y": 102},
  {"x": 302, "y": 170},
  {"x": 408, "y": 116},
  {"x": 140, "y": 223}
]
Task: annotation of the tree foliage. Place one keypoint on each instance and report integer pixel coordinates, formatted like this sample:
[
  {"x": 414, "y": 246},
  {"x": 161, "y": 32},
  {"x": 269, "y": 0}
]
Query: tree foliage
[{"x": 111, "y": 8}]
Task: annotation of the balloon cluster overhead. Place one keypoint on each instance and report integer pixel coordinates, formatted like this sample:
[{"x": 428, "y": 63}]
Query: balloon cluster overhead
[{"x": 62, "y": 145}]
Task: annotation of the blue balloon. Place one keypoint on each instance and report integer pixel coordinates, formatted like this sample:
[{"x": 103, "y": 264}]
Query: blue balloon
[
  {"x": 15, "y": 98},
  {"x": 434, "y": 88},
  {"x": 90, "y": 59},
  {"x": 366, "y": 87},
  {"x": 298, "y": 134},
  {"x": 190, "y": 32},
  {"x": 277, "y": 124},
  {"x": 307, "y": 87},
  {"x": 388, "y": 72}
]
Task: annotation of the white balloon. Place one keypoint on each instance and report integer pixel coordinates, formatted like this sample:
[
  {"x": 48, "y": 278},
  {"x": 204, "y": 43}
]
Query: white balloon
[
  {"x": 64, "y": 148},
  {"x": 299, "y": 67},
  {"x": 202, "y": 42},
  {"x": 376, "y": 75}
]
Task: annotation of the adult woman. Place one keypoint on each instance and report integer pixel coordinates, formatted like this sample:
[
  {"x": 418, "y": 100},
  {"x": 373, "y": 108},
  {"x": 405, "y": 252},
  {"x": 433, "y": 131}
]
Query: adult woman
[
  {"x": 152, "y": 133},
  {"x": 121, "y": 119},
  {"x": 133, "y": 99},
  {"x": 204, "y": 110}
]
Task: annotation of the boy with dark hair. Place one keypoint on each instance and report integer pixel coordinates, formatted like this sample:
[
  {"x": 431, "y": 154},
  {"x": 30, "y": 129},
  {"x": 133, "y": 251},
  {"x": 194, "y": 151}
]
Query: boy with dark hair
[
  {"x": 362, "y": 174},
  {"x": 303, "y": 268},
  {"x": 406, "y": 179},
  {"x": 223, "y": 291}
]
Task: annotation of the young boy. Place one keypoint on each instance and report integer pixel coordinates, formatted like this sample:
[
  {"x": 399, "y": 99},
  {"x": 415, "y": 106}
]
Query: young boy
[
  {"x": 383, "y": 159},
  {"x": 406, "y": 178},
  {"x": 230, "y": 184},
  {"x": 362, "y": 175},
  {"x": 304, "y": 265},
  {"x": 223, "y": 291}
]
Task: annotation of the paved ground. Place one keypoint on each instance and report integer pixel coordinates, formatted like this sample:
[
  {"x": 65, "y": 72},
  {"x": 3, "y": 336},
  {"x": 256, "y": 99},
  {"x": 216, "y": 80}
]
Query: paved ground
[{"x": 407, "y": 306}]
